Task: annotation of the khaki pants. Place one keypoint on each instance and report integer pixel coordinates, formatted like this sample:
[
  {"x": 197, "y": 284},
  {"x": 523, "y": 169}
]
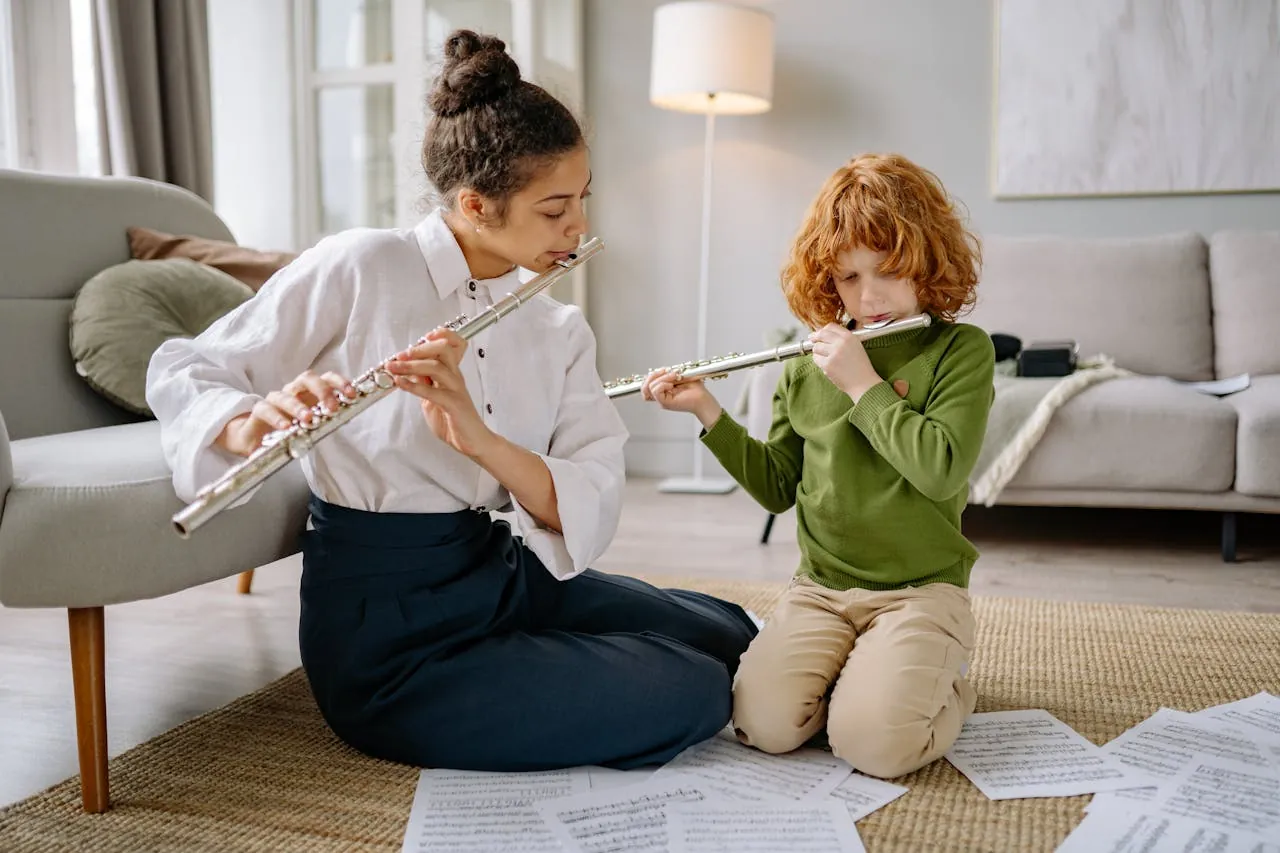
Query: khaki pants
[{"x": 884, "y": 671}]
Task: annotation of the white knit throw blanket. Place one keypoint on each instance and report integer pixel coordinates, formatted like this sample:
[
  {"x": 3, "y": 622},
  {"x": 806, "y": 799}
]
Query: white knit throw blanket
[{"x": 1021, "y": 413}]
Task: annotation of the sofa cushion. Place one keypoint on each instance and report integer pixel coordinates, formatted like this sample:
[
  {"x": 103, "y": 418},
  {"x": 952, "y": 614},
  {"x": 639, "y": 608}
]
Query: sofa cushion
[
  {"x": 1143, "y": 301},
  {"x": 1258, "y": 444},
  {"x": 1245, "y": 275},
  {"x": 1139, "y": 433},
  {"x": 125, "y": 312},
  {"x": 87, "y": 523}
]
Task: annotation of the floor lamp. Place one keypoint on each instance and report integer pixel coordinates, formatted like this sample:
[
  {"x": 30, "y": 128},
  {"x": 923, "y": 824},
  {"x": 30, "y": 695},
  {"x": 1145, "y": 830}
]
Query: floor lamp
[{"x": 717, "y": 59}]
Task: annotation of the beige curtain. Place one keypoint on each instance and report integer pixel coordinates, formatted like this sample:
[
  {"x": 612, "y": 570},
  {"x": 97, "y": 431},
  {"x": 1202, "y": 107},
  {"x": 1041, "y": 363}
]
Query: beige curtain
[{"x": 153, "y": 94}]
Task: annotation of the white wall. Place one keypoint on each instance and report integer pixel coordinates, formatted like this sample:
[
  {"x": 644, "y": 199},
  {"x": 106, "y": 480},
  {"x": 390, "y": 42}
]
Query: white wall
[
  {"x": 851, "y": 76},
  {"x": 251, "y": 72}
]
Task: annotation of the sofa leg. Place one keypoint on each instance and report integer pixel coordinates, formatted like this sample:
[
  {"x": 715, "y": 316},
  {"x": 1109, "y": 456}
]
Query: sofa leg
[
  {"x": 768, "y": 528},
  {"x": 89, "y": 682},
  {"x": 1228, "y": 537},
  {"x": 246, "y": 582}
]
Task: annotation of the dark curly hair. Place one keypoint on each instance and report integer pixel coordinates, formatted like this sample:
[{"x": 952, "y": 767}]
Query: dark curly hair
[{"x": 490, "y": 130}]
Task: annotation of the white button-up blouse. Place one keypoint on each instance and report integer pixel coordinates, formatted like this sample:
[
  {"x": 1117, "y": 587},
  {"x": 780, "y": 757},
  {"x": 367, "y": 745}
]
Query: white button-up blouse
[{"x": 352, "y": 301}]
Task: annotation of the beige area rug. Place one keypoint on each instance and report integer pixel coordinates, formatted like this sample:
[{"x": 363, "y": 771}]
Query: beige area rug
[{"x": 264, "y": 774}]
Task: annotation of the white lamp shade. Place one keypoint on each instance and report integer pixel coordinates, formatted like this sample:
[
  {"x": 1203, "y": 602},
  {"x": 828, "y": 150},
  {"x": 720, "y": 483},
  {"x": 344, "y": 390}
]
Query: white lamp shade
[{"x": 712, "y": 57}]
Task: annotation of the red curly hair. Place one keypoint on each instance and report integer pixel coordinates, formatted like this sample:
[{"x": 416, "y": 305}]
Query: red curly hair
[{"x": 886, "y": 203}]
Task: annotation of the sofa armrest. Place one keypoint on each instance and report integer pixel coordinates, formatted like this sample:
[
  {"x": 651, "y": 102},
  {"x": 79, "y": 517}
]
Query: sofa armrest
[{"x": 6, "y": 464}]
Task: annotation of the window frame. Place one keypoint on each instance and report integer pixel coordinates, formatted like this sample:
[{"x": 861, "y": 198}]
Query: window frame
[{"x": 39, "y": 86}]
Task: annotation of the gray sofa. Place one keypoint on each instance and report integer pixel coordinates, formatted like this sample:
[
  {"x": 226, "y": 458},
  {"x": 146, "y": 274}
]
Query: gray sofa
[
  {"x": 1179, "y": 306},
  {"x": 85, "y": 494},
  {"x": 1175, "y": 306}
]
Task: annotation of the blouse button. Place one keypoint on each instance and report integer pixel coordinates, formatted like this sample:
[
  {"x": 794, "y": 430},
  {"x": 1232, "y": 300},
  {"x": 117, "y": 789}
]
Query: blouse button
[
  {"x": 471, "y": 285},
  {"x": 488, "y": 407},
  {"x": 480, "y": 352}
]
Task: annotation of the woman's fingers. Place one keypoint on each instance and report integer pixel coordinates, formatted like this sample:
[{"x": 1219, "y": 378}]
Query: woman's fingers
[
  {"x": 267, "y": 413},
  {"x": 441, "y": 345},
  {"x": 425, "y": 391},
  {"x": 454, "y": 340},
  {"x": 290, "y": 405},
  {"x": 319, "y": 390},
  {"x": 427, "y": 371},
  {"x": 340, "y": 384}
]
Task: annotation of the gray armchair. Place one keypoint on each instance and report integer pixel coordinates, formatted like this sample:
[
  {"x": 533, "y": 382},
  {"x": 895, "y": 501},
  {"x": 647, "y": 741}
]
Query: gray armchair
[{"x": 85, "y": 494}]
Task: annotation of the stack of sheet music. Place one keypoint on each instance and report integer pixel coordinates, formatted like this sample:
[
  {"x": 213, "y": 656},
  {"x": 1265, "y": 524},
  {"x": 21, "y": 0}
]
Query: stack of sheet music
[
  {"x": 1177, "y": 781},
  {"x": 716, "y": 796}
]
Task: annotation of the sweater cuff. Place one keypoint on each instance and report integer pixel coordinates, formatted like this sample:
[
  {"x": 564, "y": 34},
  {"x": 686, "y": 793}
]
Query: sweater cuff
[
  {"x": 867, "y": 410},
  {"x": 725, "y": 434}
]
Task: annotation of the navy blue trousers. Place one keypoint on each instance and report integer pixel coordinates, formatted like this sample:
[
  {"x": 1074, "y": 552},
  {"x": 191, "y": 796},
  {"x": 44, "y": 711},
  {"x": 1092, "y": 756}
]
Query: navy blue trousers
[{"x": 440, "y": 640}]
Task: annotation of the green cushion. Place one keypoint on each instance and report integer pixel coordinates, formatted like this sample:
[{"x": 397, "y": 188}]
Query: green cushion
[{"x": 122, "y": 315}]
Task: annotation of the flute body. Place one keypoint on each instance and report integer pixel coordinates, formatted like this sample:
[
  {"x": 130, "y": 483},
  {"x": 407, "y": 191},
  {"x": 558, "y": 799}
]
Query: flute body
[
  {"x": 281, "y": 447},
  {"x": 722, "y": 366}
]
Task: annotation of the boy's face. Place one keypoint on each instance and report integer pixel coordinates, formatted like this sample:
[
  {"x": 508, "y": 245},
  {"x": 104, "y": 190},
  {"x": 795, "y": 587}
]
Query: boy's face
[{"x": 869, "y": 296}]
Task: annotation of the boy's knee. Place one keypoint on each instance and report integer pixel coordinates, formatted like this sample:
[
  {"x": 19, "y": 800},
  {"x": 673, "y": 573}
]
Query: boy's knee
[
  {"x": 881, "y": 741},
  {"x": 878, "y": 754},
  {"x": 769, "y": 722}
]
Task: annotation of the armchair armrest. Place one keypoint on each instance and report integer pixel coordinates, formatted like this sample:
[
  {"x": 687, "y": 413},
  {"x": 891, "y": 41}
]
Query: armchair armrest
[{"x": 6, "y": 464}]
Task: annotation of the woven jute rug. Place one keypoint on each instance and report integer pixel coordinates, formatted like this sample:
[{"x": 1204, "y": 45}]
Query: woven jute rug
[{"x": 264, "y": 773}]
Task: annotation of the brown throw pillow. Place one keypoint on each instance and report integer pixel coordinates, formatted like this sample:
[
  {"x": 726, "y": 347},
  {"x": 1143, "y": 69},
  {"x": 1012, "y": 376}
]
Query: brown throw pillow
[{"x": 251, "y": 266}]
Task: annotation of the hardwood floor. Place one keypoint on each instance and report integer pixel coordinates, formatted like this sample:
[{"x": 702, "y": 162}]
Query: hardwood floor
[{"x": 170, "y": 659}]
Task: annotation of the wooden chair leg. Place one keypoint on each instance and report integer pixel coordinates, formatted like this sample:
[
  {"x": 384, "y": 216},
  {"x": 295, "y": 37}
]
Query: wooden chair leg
[
  {"x": 246, "y": 582},
  {"x": 88, "y": 677}
]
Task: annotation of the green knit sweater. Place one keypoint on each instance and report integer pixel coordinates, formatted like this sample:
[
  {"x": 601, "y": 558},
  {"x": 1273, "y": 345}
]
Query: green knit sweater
[{"x": 878, "y": 487}]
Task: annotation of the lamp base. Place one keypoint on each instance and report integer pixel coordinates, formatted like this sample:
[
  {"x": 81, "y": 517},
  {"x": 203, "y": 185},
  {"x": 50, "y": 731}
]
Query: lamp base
[{"x": 698, "y": 485}]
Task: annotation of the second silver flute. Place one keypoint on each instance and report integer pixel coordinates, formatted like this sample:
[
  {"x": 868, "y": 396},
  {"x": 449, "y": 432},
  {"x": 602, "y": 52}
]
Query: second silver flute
[
  {"x": 718, "y": 368},
  {"x": 281, "y": 447}
]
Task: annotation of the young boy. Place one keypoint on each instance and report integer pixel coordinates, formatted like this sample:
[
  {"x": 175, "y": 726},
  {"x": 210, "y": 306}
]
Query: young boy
[{"x": 873, "y": 443}]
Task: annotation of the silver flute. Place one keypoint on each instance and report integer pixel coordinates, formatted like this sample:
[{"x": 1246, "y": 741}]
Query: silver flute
[
  {"x": 283, "y": 446},
  {"x": 722, "y": 366}
]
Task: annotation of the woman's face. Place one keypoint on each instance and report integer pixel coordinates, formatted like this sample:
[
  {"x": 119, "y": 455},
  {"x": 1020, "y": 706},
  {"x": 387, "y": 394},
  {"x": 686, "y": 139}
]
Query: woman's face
[{"x": 544, "y": 221}]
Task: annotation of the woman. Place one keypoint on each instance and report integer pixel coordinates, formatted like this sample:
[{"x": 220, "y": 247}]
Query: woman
[{"x": 430, "y": 634}]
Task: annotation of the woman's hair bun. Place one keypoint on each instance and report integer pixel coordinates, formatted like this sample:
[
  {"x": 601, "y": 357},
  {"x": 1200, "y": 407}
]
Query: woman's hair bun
[{"x": 477, "y": 70}]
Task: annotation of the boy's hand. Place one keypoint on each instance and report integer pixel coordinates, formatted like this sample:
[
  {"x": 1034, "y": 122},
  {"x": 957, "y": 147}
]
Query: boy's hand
[
  {"x": 839, "y": 354},
  {"x": 664, "y": 387}
]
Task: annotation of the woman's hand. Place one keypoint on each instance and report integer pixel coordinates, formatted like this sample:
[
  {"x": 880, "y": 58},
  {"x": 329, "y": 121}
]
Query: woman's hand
[
  {"x": 839, "y": 354},
  {"x": 668, "y": 391},
  {"x": 280, "y": 409},
  {"x": 429, "y": 370}
]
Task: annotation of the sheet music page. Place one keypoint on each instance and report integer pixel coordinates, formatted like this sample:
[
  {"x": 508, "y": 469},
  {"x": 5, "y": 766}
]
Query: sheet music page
[
  {"x": 1258, "y": 716},
  {"x": 800, "y": 827},
  {"x": 465, "y": 811},
  {"x": 607, "y": 777},
  {"x": 863, "y": 795},
  {"x": 632, "y": 818},
  {"x": 1030, "y": 753},
  {"x": 1167, "y": 741},
  {"x": 1116, "y": 831},
  {"x": 725, "y": 767},
  {"x": 1224, "y": 794}
]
